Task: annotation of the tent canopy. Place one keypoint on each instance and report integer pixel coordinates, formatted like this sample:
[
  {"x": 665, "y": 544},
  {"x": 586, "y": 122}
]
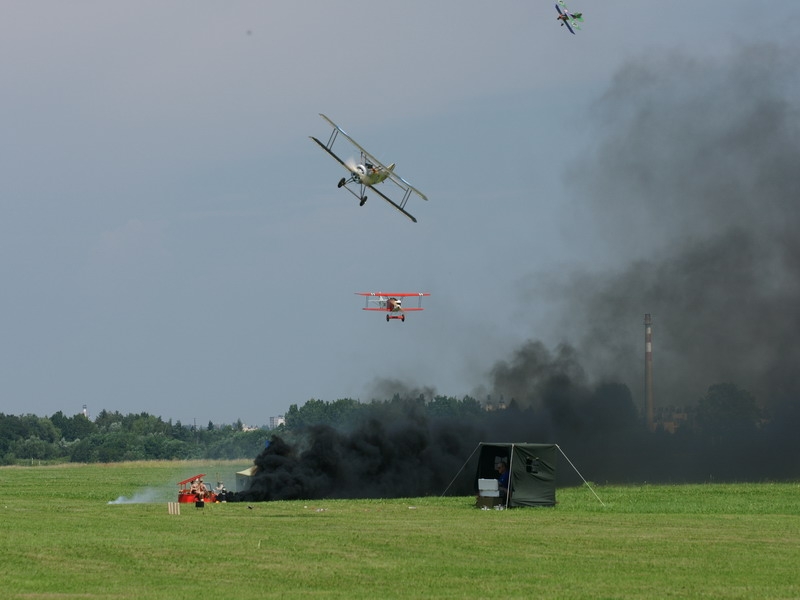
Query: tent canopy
[
  {"x": 243, "y": 478},
  {"x": 532, "y": 470}
]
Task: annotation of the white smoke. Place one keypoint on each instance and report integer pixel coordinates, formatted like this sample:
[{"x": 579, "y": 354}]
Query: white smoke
[{"x": 146, "y": 496}]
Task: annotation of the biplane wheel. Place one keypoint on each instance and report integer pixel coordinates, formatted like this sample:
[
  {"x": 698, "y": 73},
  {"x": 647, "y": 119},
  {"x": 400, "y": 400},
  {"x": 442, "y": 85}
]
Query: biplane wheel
[
  {"x": 387, "y": 318},
  {"x": 363, "y": 200},
  {"x": 341, "y": 182},
  {"x": 403, "y": 318}
]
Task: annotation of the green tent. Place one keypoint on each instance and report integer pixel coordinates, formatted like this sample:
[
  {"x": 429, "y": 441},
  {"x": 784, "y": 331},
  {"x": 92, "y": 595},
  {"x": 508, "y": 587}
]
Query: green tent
[{"x": 532, "y": 470}]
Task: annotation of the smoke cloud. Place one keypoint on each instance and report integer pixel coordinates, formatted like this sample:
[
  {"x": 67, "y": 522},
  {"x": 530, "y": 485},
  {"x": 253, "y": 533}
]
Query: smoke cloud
[
  {"x": 695, "y": 179},
  {"x": 694, "y": 189},
  {"x": 396, "y": 450},
  {"x": 145, "y": 496}
]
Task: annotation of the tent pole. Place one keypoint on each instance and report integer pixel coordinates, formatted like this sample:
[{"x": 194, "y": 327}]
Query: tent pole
[
  {"x": 510, "y": 475},
  {"x": 459, "y": 471},
  {"x": 579, "y": 474}
]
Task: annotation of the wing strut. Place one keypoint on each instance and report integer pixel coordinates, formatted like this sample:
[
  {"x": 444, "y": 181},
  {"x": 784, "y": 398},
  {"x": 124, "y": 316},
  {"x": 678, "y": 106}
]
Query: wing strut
[{"x": 331, "y": 139}]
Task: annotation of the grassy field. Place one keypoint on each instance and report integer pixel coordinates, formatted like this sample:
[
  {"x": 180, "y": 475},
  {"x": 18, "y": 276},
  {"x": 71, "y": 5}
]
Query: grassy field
[{"x": 62, "y": 539}]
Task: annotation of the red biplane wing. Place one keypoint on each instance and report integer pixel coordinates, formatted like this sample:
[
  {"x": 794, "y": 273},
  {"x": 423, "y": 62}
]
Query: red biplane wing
[
  {"x": 191, "y": 479},
  {"x": 405, "y": 309},
  {"x": 393, "y": 294}
]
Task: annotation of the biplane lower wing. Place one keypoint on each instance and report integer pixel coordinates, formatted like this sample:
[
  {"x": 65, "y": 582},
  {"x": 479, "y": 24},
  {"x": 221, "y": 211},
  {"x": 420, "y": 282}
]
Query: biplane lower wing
[
  {"x": 404, "y": 309},
  {"x": 393, "y": 203},
  {"x": 329, "y": 151}
]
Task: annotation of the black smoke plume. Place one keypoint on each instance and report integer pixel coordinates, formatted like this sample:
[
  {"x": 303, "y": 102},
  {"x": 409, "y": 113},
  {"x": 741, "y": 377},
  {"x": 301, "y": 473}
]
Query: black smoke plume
[
  {"x": 693, "y": 190},
  {"x": 695, "y": 186},
  {"x": 395, "y": 450}
]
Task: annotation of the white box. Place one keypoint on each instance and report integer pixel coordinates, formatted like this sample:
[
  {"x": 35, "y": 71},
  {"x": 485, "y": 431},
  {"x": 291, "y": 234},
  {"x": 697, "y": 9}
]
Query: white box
[{"x": 488, "y": 488}]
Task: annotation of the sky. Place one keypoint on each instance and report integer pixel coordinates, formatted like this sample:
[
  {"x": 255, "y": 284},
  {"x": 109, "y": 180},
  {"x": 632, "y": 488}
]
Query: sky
[{"x": 174, "y": 243}]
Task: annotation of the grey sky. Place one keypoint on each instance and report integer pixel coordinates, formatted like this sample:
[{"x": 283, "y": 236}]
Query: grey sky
[{"x": 172, "y": 242}]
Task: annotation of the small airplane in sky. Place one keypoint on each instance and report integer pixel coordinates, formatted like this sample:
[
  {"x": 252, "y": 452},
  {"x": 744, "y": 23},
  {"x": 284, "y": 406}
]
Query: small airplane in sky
[
  {"x": 368, "y": 173},
  {"x": 392, "y": 303},
  {"x": 568, "y": 18}
]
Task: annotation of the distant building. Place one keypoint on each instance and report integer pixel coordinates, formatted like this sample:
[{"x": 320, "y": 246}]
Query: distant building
[
  {"x": 492, "y": 405},
  {"x": 275, "y": 422},
  {"x": 673, "y": 418}
]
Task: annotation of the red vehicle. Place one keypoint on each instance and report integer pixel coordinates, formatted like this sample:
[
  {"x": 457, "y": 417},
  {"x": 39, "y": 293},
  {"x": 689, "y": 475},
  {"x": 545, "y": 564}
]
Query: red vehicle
[{"x": 194, "y": 490}]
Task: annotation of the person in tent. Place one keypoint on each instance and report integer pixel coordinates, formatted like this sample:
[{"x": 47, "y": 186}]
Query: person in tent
[{"x": 502, "y": 478}]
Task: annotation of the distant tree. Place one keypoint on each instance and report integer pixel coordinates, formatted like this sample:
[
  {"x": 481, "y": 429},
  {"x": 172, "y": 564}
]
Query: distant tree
[
  {"x": 341, "y": 411},
  {"x": 145, "y": 424},
  {"x": 313, "y": 412},
  {"x": 41, "y": 428},
  {"x": 105, "y": 419},
  {"x": 73, "y": 428},
  {"x": 442, "y": 406},
  {"x": 11, "y": 429},
  {"x": 726, "y": 408},
  {"x": 34, "y": 448},
  {"x": 449, "y": 406},
  {"x": 469, "y": 406}
]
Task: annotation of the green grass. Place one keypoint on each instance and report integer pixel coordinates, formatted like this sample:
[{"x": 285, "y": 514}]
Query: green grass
[{"x": 61, "y": 539}]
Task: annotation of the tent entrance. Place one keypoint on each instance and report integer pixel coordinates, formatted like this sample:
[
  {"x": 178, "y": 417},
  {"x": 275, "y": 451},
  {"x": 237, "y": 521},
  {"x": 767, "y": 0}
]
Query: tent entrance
[{"x": 532, "y": 469}]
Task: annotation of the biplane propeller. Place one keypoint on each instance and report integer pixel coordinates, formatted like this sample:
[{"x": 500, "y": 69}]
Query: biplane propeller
[
  {"x": 368, "y": 173},
  {"x": 392, "y": 303}
]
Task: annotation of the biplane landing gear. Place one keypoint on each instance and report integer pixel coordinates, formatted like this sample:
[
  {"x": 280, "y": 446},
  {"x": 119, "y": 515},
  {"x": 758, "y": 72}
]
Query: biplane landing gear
[
  {"x": 387, "y": 318},
  {"x": 403, "y": 318},
  {"x": 363, "y": 200},
  {"x": 342, "y": 181}
]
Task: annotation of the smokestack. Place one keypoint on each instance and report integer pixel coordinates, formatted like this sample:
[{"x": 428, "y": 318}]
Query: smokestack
[{"x": 648, "y": 372}]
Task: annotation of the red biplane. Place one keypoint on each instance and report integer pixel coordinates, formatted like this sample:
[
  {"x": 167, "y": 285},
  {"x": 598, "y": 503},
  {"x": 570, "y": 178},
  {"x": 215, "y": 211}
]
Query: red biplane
[
  {"x": 392, "y": 303},
  {"x": 194, "y": 490}
]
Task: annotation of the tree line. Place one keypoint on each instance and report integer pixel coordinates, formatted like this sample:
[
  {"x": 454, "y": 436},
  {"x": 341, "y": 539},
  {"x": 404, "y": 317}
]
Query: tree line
[
  {"x": 114, "y": 437},
  {"x": 727, "y": 428}
]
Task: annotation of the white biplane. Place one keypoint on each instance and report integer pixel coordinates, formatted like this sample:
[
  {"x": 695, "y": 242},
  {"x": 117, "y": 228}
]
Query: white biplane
[
  {"x": 368, "y": 173},
  {"x": 392, "y": 303}
]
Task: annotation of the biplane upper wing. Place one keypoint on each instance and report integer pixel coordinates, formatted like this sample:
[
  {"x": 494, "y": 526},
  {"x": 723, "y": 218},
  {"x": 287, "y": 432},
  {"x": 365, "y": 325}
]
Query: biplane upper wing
[
  {"x": 361, "y": 149},
  {"x": 393, "y": 294},
  {"x": 405, "y": 185}
]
